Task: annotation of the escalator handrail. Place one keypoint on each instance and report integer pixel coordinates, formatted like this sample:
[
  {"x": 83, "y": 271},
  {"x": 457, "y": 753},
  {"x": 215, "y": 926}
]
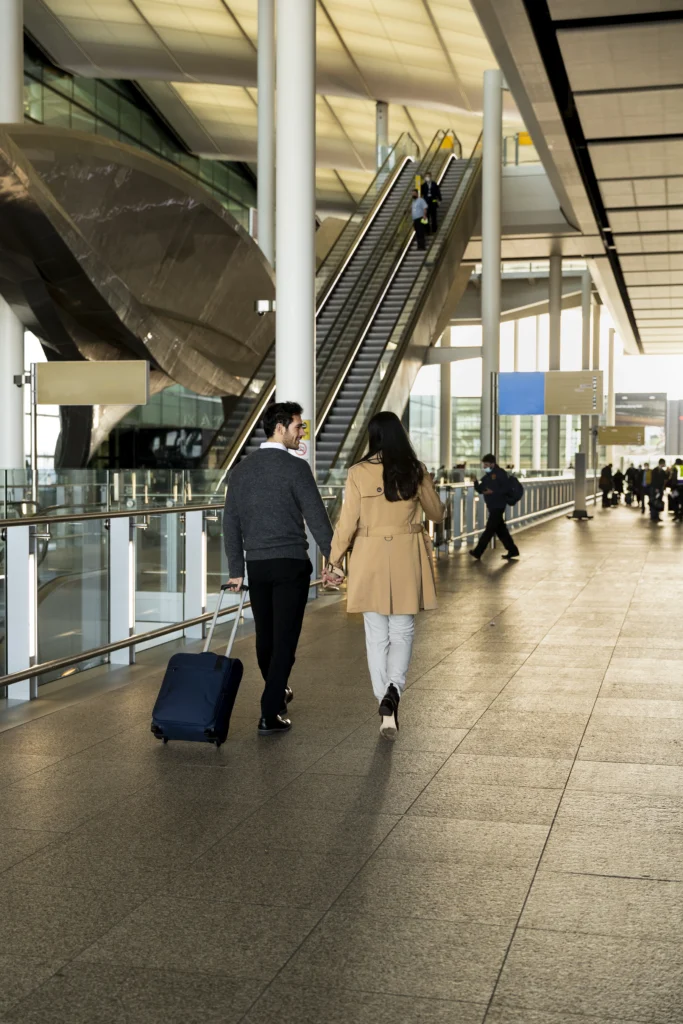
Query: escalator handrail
[
  {"x": 368, "y": 203},
  {"x": 325, "y": 291},
  {"x": 465, "y": 187},
  {"x": 383, "y": 274},
  {"x": 379, "y": 266}
]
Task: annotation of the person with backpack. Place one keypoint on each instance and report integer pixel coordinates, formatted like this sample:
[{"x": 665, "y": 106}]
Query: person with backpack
[
  {"x": 391, "y": 576},
  {"x": 499, "y": 490}
]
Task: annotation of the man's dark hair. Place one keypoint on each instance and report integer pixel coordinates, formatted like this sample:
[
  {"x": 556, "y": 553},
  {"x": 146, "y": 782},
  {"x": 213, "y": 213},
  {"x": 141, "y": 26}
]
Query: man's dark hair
[
  {"x": 280, "y": 412},
  {"x": 489, "y": 458}
]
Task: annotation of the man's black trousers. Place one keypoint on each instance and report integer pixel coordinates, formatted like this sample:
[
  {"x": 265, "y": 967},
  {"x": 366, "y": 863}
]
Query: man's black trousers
[
  {"x": 495, "y": 527},
  {"x": 419, "y": 233},
  {"x": 433, "y": 215},
  {"x": 278, "y": 589}
]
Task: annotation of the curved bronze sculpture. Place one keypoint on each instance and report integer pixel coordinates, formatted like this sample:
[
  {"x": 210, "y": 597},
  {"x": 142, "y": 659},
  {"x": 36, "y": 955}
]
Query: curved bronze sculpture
[{"x": 108, "y": 253}]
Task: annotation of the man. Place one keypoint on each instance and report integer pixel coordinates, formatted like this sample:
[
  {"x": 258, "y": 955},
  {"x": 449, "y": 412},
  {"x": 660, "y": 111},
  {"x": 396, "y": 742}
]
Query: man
[
  {"x": 494, "y": 485},
  {"x": 418, "y": 211},
  {"x": 431, "y": 193},
  {"x": 658, "y": 484},
  {"x": 676, "y": 485},
  {"x": 270, "y": 495}
]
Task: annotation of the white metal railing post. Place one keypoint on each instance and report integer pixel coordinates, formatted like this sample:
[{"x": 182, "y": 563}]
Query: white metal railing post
[
  {"x": 195, "y": 571},
  {"x": 469, "y": 515},
  {"x": 457, "y": 518},
  {"x": 122, "y": 587},
  {"x": 21, "y": 592}
]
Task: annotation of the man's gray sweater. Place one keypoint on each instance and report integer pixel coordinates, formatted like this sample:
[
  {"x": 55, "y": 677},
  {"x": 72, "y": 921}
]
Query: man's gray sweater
[{"x": 270, "y": 495}]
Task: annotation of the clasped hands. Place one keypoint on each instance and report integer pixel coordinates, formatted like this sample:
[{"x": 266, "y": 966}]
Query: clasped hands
[{"x": 332, "y": 576}]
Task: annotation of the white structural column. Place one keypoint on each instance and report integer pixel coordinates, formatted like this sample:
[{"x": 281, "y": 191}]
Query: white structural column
[
  {"x": 382, "y": 129},
  {"x": 595, "y": 420},
  {"x": 585, "y": 351},
  {"x": 491, "y": 201},
  {"x": 266, "y": 129},
  {"x": 537, "y": 420},
  {"x": 446, "y": 408},
  {"x": 11, "y": 328},
  {"x": 611, "y": 405},
  {"x": 555, "y": 336},
  {"x": 295, "y": 209},
  {"x": 516, "y": 420}
]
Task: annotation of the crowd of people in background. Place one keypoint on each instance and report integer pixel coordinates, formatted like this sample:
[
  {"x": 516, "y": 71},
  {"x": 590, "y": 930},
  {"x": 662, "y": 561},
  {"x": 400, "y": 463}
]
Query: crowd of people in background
[{"x": 642, "y": 484}]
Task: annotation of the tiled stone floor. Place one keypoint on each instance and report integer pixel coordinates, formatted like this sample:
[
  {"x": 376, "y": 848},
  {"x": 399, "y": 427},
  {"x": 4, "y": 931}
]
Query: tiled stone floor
[{"x": 516, "y": 857}]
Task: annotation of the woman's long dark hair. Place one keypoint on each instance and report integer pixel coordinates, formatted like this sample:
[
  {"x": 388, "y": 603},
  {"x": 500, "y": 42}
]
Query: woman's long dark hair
[{"x": 403, "y": 471}]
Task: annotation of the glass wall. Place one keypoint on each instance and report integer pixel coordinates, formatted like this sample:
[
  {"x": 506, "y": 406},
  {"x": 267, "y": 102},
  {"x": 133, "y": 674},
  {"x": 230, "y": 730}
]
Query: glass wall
[{"x": 118, "y": 111}]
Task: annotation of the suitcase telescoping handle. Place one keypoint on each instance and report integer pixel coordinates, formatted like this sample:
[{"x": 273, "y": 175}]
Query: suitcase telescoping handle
[{"x": 243, "y": 595}]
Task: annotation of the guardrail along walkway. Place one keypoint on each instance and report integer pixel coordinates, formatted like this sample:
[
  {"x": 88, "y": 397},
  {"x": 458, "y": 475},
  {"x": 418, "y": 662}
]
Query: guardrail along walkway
[{"x": 514, "y": 856}]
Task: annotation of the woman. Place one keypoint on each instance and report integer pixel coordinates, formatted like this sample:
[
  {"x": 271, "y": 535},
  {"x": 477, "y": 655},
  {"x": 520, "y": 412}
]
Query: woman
[
  {"x": 390, "y": 569},
  {"x": 605, "y": 484}
]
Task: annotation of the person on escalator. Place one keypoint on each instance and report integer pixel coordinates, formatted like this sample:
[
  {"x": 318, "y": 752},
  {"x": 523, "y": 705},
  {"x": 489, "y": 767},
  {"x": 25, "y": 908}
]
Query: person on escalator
[
  {"x": 431, "y": 193},
  {"x": 419, "y": 211}
]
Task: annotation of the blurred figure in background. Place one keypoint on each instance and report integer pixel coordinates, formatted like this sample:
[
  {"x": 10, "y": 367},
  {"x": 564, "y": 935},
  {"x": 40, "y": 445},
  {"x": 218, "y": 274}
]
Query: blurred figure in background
[
  {"x": 658, "y": 482},
  {"x": 618, "y": 485},
  {"x": 605, "y": 483}
]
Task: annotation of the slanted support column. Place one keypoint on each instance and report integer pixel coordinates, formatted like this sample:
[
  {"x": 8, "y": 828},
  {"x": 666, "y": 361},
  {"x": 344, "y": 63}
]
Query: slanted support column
[
  {"x": 491, "y": 201},
  {"x": 11, "y": 328},
  {"x": 555, "y": 311},
  {"x": 585, "y": 351},
  {"x": 266, "y": 129},
  {"x": 537, "y": 420},
  {"x": 382, "y": 130},
  {"x": 295, "y": 210}
]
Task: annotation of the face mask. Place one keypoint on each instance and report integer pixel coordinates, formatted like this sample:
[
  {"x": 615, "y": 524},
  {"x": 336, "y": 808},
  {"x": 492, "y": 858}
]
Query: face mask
[{"x": 487, "y": 469}]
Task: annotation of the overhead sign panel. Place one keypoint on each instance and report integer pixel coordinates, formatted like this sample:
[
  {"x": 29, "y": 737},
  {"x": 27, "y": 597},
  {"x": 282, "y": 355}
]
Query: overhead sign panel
[
  {"x": 114, "y": 382},
  {"x": 521, "y": 394},
  {"x": 621, "y": 435},
  {"x": 573, "y": 393}
]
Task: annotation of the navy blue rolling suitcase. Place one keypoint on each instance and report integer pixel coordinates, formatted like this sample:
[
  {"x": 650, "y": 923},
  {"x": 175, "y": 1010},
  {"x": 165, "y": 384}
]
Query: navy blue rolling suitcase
[{"x": 198, "y": 693}]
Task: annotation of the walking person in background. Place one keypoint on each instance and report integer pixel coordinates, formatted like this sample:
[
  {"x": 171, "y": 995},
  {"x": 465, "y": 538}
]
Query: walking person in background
[
  {"x": 618, "y": 480},
  {"x": 676, "y": 485},
  {"x": 658, "y": 482},
  {"x": 632, "y": 484},
  {"x": 390, "y": 570},
  {"x": 645, "y": 479},
  {"x": 431, "y": 193},
  {"x": 605, "y": 483},
  {"x": 494, "y": 485},
  {"x": 418, "y": 211},
  {"x": 271, "y": 498}
]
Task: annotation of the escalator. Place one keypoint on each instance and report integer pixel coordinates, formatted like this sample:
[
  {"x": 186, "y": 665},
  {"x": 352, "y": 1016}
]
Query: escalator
[
  {"x": 336, "y": 281},
  {"x": 348, "y": 394},
  {"x": 417, "y": 297}
]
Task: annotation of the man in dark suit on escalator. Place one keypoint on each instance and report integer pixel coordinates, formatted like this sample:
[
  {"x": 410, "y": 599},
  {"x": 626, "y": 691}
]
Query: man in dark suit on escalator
[{"x": 431, "y": 193}]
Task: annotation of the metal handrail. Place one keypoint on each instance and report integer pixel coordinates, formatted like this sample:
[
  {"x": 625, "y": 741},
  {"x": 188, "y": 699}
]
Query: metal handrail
[
  {"x": 368, "y": 217},
  {"x": 323, "y": 293},
  {"x": 130, "y": 513},
  {"x": 406, "y": 331},
  {"x": 333, "y": 390},
  {"x": 396, "y": 236},
  {"x": 119, "y": 645}
]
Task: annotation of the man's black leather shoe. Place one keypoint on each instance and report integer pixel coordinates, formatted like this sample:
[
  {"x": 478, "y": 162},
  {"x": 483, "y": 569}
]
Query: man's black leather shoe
[
  {"x": 289, "y": 696},
  {"x": 270, "y": 726}
]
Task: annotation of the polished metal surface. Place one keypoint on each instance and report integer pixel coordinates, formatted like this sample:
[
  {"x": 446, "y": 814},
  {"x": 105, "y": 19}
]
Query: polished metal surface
[{"x": 108, "y": 253}]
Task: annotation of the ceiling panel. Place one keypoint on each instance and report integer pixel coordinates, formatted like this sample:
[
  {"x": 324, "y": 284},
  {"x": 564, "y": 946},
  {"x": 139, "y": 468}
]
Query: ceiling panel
[
  {"x": 643, "y": 192},
  {"x": 623, "y": 57},
  {"x": 628, "y": 114},
  {"x": 649, "y": 277},
  {"x": 663, "y": 322},
  {"x": 566, "y": 9},
  {"x": 661, "y": 261},
  {"x": 651, "y": 303},
  {"x": 637, "y": 159},
  {"x": 647, "y": 220},
  {"x": 654, "y": 348},
  {"x": 649, "y": 243}
]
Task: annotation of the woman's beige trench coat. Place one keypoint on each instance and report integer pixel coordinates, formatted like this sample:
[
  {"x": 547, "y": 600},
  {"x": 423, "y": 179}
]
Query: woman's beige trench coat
[{"x": 390, "y": 570}]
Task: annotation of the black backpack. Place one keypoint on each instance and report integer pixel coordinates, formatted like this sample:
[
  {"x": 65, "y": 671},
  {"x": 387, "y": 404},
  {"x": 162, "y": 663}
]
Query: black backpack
[{"x": 515, "y": 490}]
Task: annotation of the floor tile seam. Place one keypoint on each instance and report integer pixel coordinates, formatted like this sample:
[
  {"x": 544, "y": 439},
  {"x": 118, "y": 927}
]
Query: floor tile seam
[
  {"x": 539, "y": 861},
  {"x": 611, "y": 874},
  {"x": 32, "y": 853},
  {"x": 357, "y": 990},
  {"x": 321, "y": 919},
  {"x": 644, "y": 938}
]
